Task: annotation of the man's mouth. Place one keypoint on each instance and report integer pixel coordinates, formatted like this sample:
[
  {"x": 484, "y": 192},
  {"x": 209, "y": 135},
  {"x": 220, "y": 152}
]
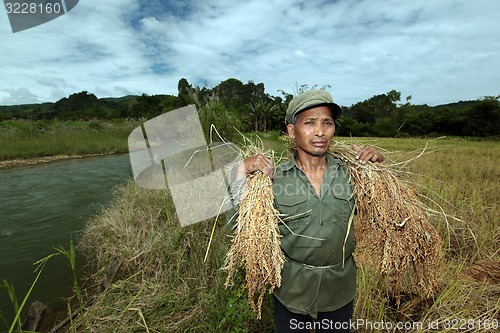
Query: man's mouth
[{"x": 319, "y": 143}]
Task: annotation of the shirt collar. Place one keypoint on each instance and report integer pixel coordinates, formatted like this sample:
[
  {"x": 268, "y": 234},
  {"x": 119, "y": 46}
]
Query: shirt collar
[{"x": 288, "y": 165}]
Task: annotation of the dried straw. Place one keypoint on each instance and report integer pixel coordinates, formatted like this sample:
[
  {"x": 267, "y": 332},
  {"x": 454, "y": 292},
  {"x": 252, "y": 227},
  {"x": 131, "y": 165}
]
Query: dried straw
[
  {"x": 483, "y": 270},
  {"x": 256, "y": 241},
  {"x": 393, "y": 233}
]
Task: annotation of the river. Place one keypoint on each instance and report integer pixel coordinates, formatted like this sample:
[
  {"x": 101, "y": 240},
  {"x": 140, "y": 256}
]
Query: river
[{"x": 46, "y": 206}]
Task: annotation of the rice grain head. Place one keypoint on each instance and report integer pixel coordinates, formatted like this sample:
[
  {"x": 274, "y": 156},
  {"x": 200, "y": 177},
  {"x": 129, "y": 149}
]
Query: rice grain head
[
  {"x": 393, "y": 233},
  {"x": 256, "y": 242}
]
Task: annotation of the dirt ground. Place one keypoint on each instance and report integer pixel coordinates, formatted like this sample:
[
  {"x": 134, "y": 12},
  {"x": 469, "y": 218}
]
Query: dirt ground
[{"x": 9, "y": 164}]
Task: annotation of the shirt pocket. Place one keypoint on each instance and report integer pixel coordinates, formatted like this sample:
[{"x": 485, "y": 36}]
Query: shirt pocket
[
  {"x": 296, "y": 215},
  {"x": 294, "y": 210},
  {"x": 344, "y": 204}
]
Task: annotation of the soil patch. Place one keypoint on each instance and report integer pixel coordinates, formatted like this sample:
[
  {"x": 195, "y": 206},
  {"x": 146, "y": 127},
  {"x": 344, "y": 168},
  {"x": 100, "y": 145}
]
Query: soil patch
[{"x": 9, "y": 164}]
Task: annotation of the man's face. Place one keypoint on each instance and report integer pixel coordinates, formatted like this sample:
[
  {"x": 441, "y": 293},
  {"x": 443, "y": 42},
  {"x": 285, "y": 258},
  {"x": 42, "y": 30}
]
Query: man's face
[{"x": 313, "y": 131}]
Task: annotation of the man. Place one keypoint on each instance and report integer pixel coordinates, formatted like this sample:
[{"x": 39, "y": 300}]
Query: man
[{"x": 313, "y": 192}]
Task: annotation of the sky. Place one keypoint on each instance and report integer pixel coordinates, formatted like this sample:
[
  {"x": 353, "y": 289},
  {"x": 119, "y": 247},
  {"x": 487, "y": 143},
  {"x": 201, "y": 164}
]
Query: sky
[{"x": 436, "y": 51}]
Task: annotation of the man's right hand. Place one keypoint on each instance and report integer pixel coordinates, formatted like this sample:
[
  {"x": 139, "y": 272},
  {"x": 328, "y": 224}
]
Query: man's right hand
[{"x": 254, "y": 163}]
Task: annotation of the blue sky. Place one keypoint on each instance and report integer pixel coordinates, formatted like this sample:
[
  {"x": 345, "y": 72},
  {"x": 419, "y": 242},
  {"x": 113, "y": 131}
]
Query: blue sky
[{"x": 436, "y": 51}]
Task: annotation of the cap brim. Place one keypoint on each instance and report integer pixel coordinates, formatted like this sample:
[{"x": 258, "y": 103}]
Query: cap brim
[{"x": 336, "y": 110}]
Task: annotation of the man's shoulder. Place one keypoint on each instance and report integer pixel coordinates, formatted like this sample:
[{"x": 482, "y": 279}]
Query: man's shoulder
[
  {"x": 284, "y": 171},
  {"x": 338, "y": 164},
  {"x": 285, "y": 166},
  {"x": 336, "y": 161}
]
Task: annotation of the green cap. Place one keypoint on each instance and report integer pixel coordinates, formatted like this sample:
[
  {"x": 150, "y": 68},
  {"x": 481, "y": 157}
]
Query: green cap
[{"x": 308, "y": 100}]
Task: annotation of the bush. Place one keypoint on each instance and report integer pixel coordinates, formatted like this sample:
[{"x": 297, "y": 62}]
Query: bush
[{"x": 222, "y": 118}]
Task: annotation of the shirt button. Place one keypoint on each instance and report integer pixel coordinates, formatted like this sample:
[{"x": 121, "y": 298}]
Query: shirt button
[{"x": 321, "y": 223}]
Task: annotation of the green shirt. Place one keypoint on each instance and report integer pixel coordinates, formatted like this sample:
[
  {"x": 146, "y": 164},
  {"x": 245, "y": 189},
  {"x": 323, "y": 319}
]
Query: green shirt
[{"x": 319, "y": 273}]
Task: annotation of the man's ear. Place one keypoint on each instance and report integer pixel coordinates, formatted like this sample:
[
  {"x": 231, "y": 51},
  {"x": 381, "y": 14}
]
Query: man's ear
[{"x": 291, "y": 130}]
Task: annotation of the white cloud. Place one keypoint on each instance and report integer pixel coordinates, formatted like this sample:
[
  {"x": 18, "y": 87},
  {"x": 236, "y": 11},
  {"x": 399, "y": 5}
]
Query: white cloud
[{"x": 436, "y": 51}]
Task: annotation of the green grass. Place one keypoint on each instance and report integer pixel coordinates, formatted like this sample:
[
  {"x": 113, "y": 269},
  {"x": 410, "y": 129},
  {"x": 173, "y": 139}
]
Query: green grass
[
  {"x": 16, "y": 325},
  {"x": 28, "y": 139},
  {"x": 164, "y": 283}
]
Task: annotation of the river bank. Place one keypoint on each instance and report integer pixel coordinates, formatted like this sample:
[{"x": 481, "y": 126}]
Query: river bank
[
  {"x": 14, "y": 163},
  {"x": 33, "y": 142}
]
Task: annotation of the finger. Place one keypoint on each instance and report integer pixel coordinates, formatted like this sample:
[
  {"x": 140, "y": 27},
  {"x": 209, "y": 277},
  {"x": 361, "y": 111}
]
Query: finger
[
  {"x": 251, "y": 164},
  {"x": 268, "y": 170},
  {"x": 377, "y": 157},
  {"x": 261, "y": 163},
  {"x": 267, "y": 166},
  {"x": 368, "y": 154},
  {"x": 362, "y": 155}
]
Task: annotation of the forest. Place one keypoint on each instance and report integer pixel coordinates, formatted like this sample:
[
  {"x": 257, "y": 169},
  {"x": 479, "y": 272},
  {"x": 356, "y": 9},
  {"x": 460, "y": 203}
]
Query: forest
[{"x": 247, "y": 107}]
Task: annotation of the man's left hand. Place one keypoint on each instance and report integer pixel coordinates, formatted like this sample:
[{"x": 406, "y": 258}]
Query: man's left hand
[{"x": 367, "y": 153}]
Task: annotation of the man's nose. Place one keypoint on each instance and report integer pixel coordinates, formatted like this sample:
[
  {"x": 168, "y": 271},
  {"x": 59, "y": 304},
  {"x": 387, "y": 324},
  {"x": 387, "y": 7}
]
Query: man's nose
[{"x": 319, "y": 131}]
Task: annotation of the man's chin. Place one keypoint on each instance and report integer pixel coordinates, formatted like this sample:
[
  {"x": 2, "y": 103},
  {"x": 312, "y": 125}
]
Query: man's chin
[
  {"x": 315, "y": 151},
  {"x": 318, "y": 153}
]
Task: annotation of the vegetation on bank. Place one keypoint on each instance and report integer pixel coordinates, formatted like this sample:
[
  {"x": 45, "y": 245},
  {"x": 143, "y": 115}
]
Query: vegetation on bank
[
  {"x": 165, "y": 286},
  {"x": 25, "y": 139}
]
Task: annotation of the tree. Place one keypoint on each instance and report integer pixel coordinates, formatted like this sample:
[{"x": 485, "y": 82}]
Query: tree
[
  {"x": 348, "y": 126},
  {"x": 483, "y": 117},
  {"x": 259, "y": 115},
  {"x": 81, "y": 105},
  {"x": 230, "y": 92},
  {"x": 147, "y": 107},
  {"x": 218, "y": 115},
  {"x": 375, "y": 108}
]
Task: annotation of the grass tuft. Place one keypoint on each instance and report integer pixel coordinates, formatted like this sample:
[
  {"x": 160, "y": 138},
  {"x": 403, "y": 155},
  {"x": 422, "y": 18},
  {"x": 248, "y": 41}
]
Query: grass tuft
[{"x": 164, "y": 283}]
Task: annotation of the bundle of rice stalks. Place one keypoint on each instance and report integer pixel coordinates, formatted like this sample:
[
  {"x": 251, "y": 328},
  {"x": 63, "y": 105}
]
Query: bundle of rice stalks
[
  {"x": 256, "y": 241},
  {"x": 393, "y": 233}
]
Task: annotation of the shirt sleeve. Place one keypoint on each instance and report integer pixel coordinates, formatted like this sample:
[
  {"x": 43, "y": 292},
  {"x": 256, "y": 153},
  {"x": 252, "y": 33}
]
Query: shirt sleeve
[{"x": 236, "y": 188}]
